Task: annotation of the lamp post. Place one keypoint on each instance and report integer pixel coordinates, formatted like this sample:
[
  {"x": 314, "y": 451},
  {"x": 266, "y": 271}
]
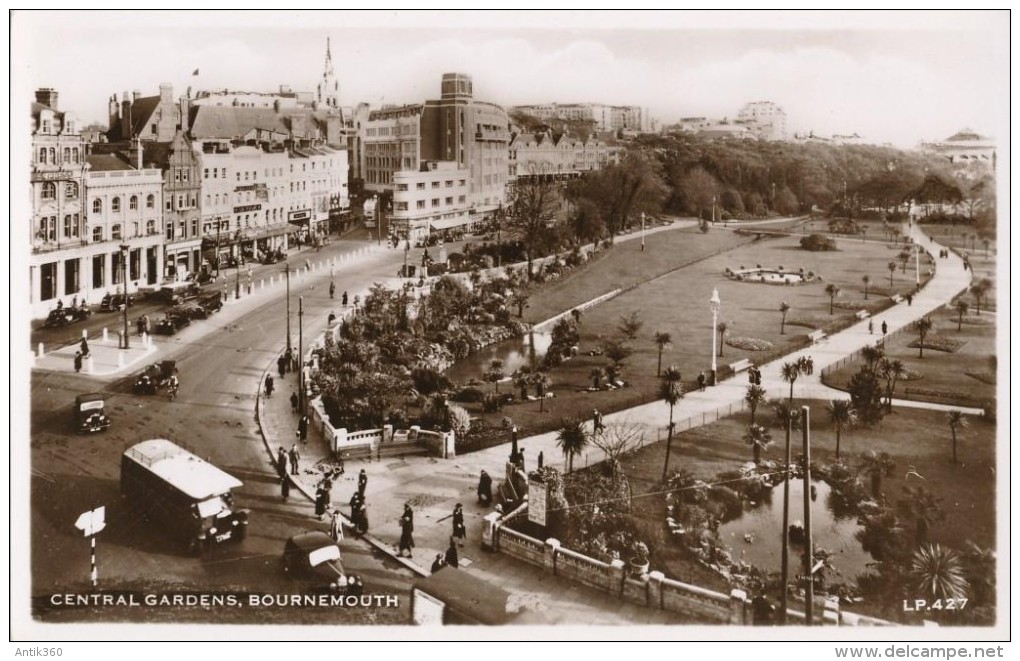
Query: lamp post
[
  {"x": 124, "y": 271},
  {"x": 917, "y": 264},
  {"x": 809, "y": 552},
  {"x": 715, "y": 303},
  {"x": 301, "y": 359},
  {"x": 642, "y": 231},
  {"x": 407, "y": 249}
]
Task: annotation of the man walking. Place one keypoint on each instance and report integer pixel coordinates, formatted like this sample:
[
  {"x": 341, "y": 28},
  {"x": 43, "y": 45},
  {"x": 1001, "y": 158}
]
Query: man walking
[
  {"x": 269, "y": 385},
  {"x": 343, "y": 299},
  {"x": 459, "y": 529},
  {"x": 362, "y": 482},
  {"x": 596, "y": 421},
  {"x": 336, "y": 526},
  {"x": 295, "y": 457},
  {"x": 332, "y": 288},
  {"x": 77, "y": 361},
  {"x": 281, "y": 462},
  {"x": 302, "y": 429},
  {"x": 293, "y": 402},
  {"x": 281, "y": 365},
  {"x": 885, "y": 329},
  {"x": 701, "y": 381},
  {"x": 407, "y": 531}
]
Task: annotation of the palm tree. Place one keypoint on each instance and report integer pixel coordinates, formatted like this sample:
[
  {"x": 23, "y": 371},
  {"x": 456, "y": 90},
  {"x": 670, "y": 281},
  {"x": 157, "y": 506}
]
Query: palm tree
[
  {"x": 495, "y": 373},
  {"x": 721, "y": 327},
  {"x": 876, "y": 466},
  {"x": 922, "y": 506},
  {"x": 754, "y": 396},
  {"x": 789, "y": 373},
  {"x": 938, "y": 573},
  {"x": 962, "y": 307},
  {"x": 843, "y": 416},
  {"x": 662, "y": 340},
  {"x": 784, "y": 307},
  {"x": 783, "y": 413},
  {"x": 520, "y": 297},
  {"x": 572, "y": 439},
  {"x": 671, "y": 390},
  {"x": 872, "y": 355},
  {"x": 923, "y": 326},
  {"x": 892, "y": 269},
  {"x": 956, "y": 422},
  {"x": 832, "y": 291},
  {"x": 541, "y": 381},
  {"x": 867, "y": 280},
  {"x": 892, "y": 371},
  {"x": 759, "y": 438}
]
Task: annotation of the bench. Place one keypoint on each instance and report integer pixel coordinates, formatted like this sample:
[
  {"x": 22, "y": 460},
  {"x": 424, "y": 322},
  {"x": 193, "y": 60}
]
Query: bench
[
  {"x": 897, "y": 298},
  {"x": 741, "y": 365},
  {"x": 816, "y": 336},
  {"x": 862, "y": 314}
]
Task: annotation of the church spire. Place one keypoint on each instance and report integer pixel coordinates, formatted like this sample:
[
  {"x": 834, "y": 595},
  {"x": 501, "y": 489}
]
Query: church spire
[
  {"x": 329, "y": 61},
  {"x": 329, "y": 88}
]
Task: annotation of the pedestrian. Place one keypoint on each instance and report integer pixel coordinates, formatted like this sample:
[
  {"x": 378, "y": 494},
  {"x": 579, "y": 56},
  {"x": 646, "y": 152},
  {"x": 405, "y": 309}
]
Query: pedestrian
[
  {"x": 145, "y": 318},
  {"x": 871, "y": 326},
  {"x": 281, "y": 462},
  {"x": 343, "y": 299},
  {"x": 438, "y": 563},
  {"x": 281, "y": 365},
  {"x": 362, "y": 526},
  {"x": 84, "y": 348},
  {"x": 295, "y": 457},
  {"x": 288, "y": 359},
  {"x": 321, "y": 502},
  {"x": 77, "y": 361},
  {"x": 355, "y": 502},
  {"x": 293, "y": 402},
  {"x": 810, "y": 365},
  {"x": 485, "y": 489},
  {"x": 332, "y": 288},
  {"x": 362, "y": 482},
  {"x": 701, "y": 381},
  {"x": 308, "y": 264},
  {"x": 885, "y": 328},
  {"x": 269, "y": 385},
  {"x": 302, "y": 429},
  {"x": 459, "y": 529},
  {"x": 141, "y": 325},
  {"x": 407, "y": 531},
  {"x": 336, "y": 526},
  {"x": 910, "y": 299},
  {"x": 596, "y": 421},
  {"x": 541, "y": 459},
  {"x": 331, "y": 318},
  {"x": 285, "y": 487},
  {"x": 452, "y": 560}
]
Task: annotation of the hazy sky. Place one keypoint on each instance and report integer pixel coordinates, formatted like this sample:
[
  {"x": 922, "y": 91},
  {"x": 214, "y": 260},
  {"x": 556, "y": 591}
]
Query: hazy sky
[{"x": 898, "y": 77}]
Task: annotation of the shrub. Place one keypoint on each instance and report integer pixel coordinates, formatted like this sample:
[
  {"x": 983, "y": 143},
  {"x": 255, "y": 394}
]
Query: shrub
[
  {"x": 817, "y": 243},
  {"x": 469, "y": 395},
  {"x": 750, "y": 343}
]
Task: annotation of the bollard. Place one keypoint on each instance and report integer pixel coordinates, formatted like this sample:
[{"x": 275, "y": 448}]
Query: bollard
[
  {"x": 262, "y": 284},
  {"x": 105, "y": 334},
  {"x": 145, "y": 340},
  {"x": 85, "y": 333},
  {"x": 89, "y": 367},
  {"x": 40, "y": 349}
]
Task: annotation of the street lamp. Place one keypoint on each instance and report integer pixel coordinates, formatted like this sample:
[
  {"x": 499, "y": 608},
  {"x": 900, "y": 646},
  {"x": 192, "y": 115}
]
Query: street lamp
[
  {"x": 301, "y": 360},
  {"x": 237, "y": 281},
  {"x": 286, "y": 269},
  {"x": 407, "y": 249},
  {"x": 123, "y": 270},
  {"x": 715, "y": 303},
  {"x": 917, "y": 264},
  {"x": 499, "y": 242},
  {"x": 642, "y": 231}
]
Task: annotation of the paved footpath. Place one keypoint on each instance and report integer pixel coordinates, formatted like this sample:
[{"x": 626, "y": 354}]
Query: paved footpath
[{"x": 435, "y": 486}]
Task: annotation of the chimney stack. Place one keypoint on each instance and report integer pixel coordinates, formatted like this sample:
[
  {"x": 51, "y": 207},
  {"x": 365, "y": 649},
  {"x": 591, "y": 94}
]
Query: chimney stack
[
  {"x": 138, "y": 146},
  {"x": 126, "y": 124},
  {"x": 137, "y": 94},
  {"x": 47, "y": 96}
]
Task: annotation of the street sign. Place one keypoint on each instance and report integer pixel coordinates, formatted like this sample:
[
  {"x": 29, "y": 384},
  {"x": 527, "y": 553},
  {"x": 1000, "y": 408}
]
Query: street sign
[
  {"x": 537, "y": 502},
  {"x": 92, "y": 522}
]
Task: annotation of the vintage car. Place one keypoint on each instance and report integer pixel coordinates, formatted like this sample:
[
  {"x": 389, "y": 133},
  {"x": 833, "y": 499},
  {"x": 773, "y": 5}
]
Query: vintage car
[
  {"x": 155, "y": 377},
  {"x": 174, "y": 320},
  {"x": 64, "y": 316},
  {"x": 211, "y": 302},
  {"x": 314, "y": 558},
  {"x": 176, "y": 293},
  {"x": 113, "y": 302},
  {"x": 89, "y": 413}
]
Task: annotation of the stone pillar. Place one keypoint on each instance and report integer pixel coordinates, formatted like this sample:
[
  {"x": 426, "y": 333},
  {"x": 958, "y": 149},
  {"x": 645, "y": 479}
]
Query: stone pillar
[
  {"x": 617, "y": 573},
  {"x": 450, "y": 440},
  {"x": 339, "y": 439},
  {"x": 552, "y": 547},
  {"x": 89, "y": 367},
  {"x": 387, "y": 433},
  {"x": 830, "y": 615},
  {"x": 40, "y": 350},
  {"x": 738, "y": 607},
  {"x": 654, "y": 587},
  {"x": 490, "y": 530},
  {"x": 413, "y": 436},
  {"x": 105, "y": 334}
]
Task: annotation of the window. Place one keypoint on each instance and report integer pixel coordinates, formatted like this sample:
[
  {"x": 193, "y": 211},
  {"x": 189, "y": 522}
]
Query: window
[
  {"x": 115, "y": 204},
  {"x": 180, "y": 201},
  {"x": 421, "y": 204},
  {"x": 223, "y": 172},
  {"x": 184, "y": 175},
  {"x": 238, "y": 175},
  {"x": 97, "y": 235},
  {"x": 401, "y": 206},
  {"x": 150, "y": 201},
  {"x": 49, "y": 190},
  {"x": 462, "y": 182},
  {"x": 133, "y": 203},
  {"x": 205, "y": 173},
  {"x": 449, "y": 200},
  {"x": 154, "y": 129},
  {"x": 98, "y": 267},
  {"x": 115, "y": 232},
  {"x": 462, "y": 199},
  {"x": 135, "y": 228},
  {"x": 169, "y": 203},
  {"x": 67, "y": 154},
  {"x": 435, "y": 202},
  {"x": 421, "y": 185},
  {"x": 53, "y": 156},
  {"x": 42, "y": 155},
  {"x": 194, "y": 227},
  {"x": 71, "y": 190},
  {"x": 150, "y": 227},
  {"x": 76, "y": 226},
  {"x": 214, "y": 173},
  {"x": 169, "y": 231},
  {"x": 449, "y": 183},
  {"x": 67, "y": 226},
  {"x": 435, "y": 184},
  {"x": 177, "y": 175},
  {"x": 46, "y": 126}
]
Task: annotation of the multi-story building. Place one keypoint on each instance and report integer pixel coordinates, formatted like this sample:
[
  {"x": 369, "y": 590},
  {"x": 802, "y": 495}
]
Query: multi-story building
[
  {"x": 562, "y": 156},
  {"x": 966, "y": 147},
  {"x": 604, "y": 117},
  {"x": 435, "y": 197},
  {"x": 765, "y": 120}
]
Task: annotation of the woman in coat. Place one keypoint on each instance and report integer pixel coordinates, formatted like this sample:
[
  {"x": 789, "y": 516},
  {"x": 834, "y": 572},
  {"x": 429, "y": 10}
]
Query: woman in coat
[
  {"x": 451, "y": 554},
  {"x": 459, "y": 530}
]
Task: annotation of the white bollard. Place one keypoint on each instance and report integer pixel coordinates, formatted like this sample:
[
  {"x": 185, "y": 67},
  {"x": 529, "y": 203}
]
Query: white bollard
[
  {"x": 85, "y": 333},
  {"x": 40, "y": 349},
  {"x": 145, "y": 340},
  {"x": 262, "y": 284},
  {"x": 89, "y": 367},
  {"x": 105, "y": 334}
]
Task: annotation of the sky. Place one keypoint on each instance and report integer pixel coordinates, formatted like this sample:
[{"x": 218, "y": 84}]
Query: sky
[{"x": 897, "y": 77}]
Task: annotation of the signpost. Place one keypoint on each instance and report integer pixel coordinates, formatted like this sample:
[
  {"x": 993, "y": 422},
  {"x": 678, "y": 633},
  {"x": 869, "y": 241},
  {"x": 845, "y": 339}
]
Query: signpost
[
  {"x": 91, "y": 523},
  {"x": 537, "y": 500}
]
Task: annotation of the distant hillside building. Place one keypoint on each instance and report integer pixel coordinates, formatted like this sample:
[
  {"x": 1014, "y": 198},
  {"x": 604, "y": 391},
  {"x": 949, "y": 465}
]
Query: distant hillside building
[
  {"x": 605, "y": 117},
  {"x": 563, "y": 156},
  {"x": 966, "y": 147},
  {"x": 765, "y": 120}
]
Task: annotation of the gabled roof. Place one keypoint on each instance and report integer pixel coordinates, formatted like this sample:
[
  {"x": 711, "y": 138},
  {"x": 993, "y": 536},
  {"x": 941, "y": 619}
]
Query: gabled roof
[
  {"x": 229, "y": 122},
  {"x": 107, "y": 162}
]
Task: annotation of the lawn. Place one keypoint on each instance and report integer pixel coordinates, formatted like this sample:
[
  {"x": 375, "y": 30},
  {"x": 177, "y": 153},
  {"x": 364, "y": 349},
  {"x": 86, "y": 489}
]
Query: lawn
[
  {"x": 964, "y": 378},
  {"x": 677, "y": 303},
  {"x": 915, "y": 439}
]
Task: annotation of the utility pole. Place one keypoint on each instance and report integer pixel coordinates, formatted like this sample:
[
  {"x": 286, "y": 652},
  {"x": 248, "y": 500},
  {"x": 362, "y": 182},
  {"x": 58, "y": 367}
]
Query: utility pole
[
  {"x": 785, "y": 580},
  {"x": 124, "y": 271},
  {"x": 809, "y": 559},
  {"x": 286, "y": 270},
  {"x": 301, "y": 359}
]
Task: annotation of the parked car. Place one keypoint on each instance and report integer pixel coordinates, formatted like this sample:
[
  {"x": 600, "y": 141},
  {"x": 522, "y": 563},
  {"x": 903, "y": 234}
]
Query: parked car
[
  {"x": 211, "y": 302},
  {"x": 176, "y": 293},
  {"x": 90, "y": 413},
  {"x": 314, "y": 558},
  {"x": 155, "y": 377},
  {"x": 114, "y": 302},
  {"x": 175, "y": 319}
]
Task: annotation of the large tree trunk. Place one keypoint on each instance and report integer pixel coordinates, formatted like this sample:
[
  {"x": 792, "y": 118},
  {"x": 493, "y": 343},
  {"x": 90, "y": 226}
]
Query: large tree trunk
[{"x": 669, "y": 445}]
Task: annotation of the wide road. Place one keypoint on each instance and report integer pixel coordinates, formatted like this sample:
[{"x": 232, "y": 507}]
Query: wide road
[{"x": 214, "y": 416}]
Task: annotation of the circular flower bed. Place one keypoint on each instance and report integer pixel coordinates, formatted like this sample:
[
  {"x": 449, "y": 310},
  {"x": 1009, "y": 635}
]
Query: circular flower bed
[
  {"x": 750, "y": 344},
  {"x": 939, "y": 343},
  {"x": 771, "y": 276}
]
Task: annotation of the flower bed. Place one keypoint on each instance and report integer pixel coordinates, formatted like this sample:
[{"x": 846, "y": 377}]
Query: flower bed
[
  {"x": 750, "y": 344},
  {"x": 983, "y": 377},
  {"x": 771, "y": 276},
  {"x": 938, "y": 343},
  {"x": 911, "y": 375},
  {"x": 978, "y": 321},
  {"x": 808, "y": 322}
]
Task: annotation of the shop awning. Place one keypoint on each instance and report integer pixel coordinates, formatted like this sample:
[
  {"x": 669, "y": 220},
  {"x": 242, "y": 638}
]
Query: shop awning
[{"x": 447, "y": 223}]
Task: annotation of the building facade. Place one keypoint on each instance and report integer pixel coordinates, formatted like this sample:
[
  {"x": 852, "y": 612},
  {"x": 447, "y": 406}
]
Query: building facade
[
  {"x": 562, "y": 156},
  {"x": 436, "y": 197},
  {"x": 967, "y": 148},
  {"x": 604, "y": 117},
  {"x": 765, "y": 120}
]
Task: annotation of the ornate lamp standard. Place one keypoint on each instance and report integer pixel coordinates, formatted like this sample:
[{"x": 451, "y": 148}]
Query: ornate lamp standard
[
  {"x": 715, "y": 304},
  {"x": 123, "y": 270}
]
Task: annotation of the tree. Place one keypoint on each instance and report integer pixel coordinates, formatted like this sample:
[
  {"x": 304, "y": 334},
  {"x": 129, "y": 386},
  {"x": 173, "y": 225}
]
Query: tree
[
  {"x": 459, "y": 420},
  {"x": 786, "y": 202},
  {"x": 698, "y": 189},
  {"x": 616, "y": 352},
  {"x": 754, "y": 396},
  {"x": 923, "y": 327},
  {"x": 759, "y": 438},
  {"x": 495, "y": 373},
  {"x": 957, "y": 422},
  {"x": 519, "y": 296},
  {"x": 541, "y": 381},
  {"x": 533, "y": 200},
  {"x": 980, "y": 290},
  {"x": 617, "y": 439},
  {"x": 867, "y": 280},
  {"x": 784, "y": 307},
  {"x": 832, "y": 291},
  {"x": 522, "y": 380},
  {"x": 892, "y": 270},
  {"x": 892, "y": 371},
  {"x": 922, "y": 507},
  {"x": 783, "y": 413},
  {"x": 866, "y": 394},
  {"x": 721, "y": 327},
  {"x": 938, "y": 573},
  {"x": 630, "y": 326},
  {"x": 620, "y": 191},
  {"x": 872, "y": 355},
  {"x": 842, "y": 416},
  {"x": 572, "y": 438},
  {"x": 663, "y": 342},
  {"x": 789, "y": 373},
  {"x": 876, "y": 466},
  {"x": 671, "y": 391},
  {"x": 962, "y": 307}
]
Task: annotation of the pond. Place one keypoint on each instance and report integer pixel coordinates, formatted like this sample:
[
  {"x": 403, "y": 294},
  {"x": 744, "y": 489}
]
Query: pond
[
  {"x": 763, "y": 523},
  {"x": 515, "y": 353}
]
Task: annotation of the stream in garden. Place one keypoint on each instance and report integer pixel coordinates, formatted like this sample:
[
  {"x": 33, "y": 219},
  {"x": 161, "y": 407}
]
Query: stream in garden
[
  {"x": 763, "y": 524},
  {"x": 515, "y": 352}
]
